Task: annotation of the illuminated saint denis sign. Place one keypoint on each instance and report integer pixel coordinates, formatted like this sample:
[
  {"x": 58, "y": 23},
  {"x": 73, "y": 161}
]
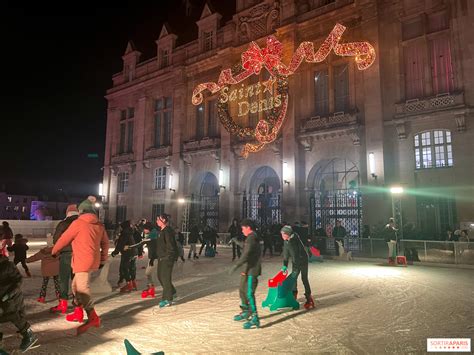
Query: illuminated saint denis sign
[{"x": 270, "y": 97}]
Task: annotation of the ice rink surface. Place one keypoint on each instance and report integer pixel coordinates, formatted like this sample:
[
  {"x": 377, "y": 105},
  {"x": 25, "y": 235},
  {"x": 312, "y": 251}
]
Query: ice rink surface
[{"x": 361, "y": 308}]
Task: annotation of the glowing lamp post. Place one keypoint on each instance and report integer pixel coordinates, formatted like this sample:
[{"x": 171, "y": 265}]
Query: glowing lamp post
[{"x": 397, "y": 193}]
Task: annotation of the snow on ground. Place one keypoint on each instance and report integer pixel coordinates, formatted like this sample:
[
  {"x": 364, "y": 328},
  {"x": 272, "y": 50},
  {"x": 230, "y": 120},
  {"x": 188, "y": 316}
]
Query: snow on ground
[{"x": 361, "y": 308}]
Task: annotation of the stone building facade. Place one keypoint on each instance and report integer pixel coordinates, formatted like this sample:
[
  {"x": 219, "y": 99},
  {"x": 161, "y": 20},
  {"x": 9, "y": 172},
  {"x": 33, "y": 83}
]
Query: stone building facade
[{"x": 349, "y": 135}]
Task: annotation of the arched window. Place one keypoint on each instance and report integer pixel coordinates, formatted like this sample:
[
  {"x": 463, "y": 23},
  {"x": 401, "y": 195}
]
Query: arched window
[{"x": 433, "y": 149}]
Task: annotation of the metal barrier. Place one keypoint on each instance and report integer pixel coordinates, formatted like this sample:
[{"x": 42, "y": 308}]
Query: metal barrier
[{"x": 431, "y": 251}]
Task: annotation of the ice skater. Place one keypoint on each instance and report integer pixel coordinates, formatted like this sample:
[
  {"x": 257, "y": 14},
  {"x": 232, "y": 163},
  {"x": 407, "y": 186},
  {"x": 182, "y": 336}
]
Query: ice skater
[
  {"x": 295, "y": 249},
  {"x": 49, "y": 269},
  {"x": 251, "y": 260},
  {"x": 128, "y": 261},
  {"x": 90, "y": 246},
  {"x": 19, "y": 248},
  {"x": 167, "y": 253},
  {"x": 12, "y": 306}
]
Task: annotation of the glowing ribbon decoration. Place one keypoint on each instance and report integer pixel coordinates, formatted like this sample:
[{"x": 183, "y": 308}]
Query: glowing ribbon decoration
[{"x": 255, "y": 58}]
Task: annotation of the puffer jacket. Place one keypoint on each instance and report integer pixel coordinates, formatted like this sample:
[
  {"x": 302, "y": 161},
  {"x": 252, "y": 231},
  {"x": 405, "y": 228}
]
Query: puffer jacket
[{"x": 90, "y": 243}]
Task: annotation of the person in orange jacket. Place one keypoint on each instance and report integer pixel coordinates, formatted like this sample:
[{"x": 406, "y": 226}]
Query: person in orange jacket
[{"x": 90, "y": 246}]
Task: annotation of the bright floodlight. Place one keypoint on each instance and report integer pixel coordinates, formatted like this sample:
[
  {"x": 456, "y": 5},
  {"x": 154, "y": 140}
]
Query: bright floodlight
[
  {"x": 396, "y": 190},
  {"x": 181, "y": 200},
  {"x": 101, "y": 189},
  {"x": 97, "y": 205},
  {"x": 372, "y": 163},
  {"x": 221, "y": 177}
]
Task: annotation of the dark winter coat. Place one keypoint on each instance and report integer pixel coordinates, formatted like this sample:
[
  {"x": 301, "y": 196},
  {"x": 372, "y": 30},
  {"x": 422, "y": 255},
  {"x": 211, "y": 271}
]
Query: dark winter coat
[
  {"x": 10, "y": 277},
  {"x": 295, "y": 249},
  {"x": 19, "y": 248},
  {"x": 251, "y": 256},
  {"x": 194, "y": 236},
  {"x": 180, "y": 238},
  {"x": 389, "y": 233},
  {"x": 126, "y": 238},
  {"x": 236, "y": 232},
  {"x": 61, "y": 228},
  {"x": 7, "y": 233},
  {"x": 166, "y": 245},
  {"x": 339, "y": 232}
]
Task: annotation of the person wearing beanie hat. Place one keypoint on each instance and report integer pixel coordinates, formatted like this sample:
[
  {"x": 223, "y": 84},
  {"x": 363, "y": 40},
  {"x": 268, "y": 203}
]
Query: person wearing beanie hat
[
  {"x": 295, "y": 249},
  {"x": 87, "y": 206},
  {"x": 251, "y": 260},
  {"x": 65, "y": 256},
  {"x": 90, "y": 246}
]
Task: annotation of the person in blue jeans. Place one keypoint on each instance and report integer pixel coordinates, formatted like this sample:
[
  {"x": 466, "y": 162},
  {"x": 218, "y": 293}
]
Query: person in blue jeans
[{"x": 251, "y": 260}]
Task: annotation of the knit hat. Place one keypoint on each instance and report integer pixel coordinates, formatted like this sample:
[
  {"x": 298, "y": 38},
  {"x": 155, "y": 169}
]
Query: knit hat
[
  {"x": 87, "y": 206},
  {"x": 72, "y": 210},
  {"x": 287, "y": 230}
]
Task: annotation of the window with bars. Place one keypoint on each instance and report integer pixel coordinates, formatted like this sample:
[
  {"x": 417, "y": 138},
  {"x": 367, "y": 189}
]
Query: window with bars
[
  {"x": 121, "y": 214},
  {"x": 122, "y": 185},
  {"x": 163, "y": 114},
  {"x": 433, "y": 149},
  {"x": 156, "y": 210},
  {"x": 159, "y": 178},
  {"x": 208, "y": 40}
]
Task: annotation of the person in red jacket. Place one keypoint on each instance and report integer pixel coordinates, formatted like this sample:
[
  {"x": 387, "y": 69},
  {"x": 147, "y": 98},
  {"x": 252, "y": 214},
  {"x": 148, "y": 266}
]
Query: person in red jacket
[{"x": 90, "y": 246}]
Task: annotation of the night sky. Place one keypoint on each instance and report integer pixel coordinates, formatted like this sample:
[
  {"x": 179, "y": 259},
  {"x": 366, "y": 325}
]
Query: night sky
[{"x": 59, "y": 64}]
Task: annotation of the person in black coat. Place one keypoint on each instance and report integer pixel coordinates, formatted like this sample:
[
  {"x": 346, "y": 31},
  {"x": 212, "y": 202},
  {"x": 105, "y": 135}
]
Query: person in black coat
[
  {"x": 167, "y": 253},
  {"x": 128, "y": 267},
  {"x": 236, "y": 238},
  {"x": 12, "y": 303},
  {"x": 295, "y": 249},
  {"x": 65, "y": 256},
  {"x": 251, "y": 260},
  {"x": 20, "y": 248},
  {"x": 193, "y": 238}
]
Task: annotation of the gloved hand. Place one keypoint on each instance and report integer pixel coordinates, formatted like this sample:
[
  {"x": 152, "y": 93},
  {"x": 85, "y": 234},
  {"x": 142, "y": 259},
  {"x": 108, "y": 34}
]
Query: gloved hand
[
  {"x": 113, "y": 254},
  {"x": 284, "y": 268}
]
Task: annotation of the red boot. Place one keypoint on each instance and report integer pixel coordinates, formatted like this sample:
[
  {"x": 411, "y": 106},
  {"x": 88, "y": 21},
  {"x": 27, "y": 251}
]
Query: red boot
[
  {"x": 41, "y": 300},
  {"x": 127, "y": 288},
  {"x": 149, "y": 292},
  {"x": 60, "y": 308},
  {"x": 76, "y": 316},
  {"x": 93, "y": 320},
  {"x": 134, "y": 285},
  {"x": 309, "y": 302}
]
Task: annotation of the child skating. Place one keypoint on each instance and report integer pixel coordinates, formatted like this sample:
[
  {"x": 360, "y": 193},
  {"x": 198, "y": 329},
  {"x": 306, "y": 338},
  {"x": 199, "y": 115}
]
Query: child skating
[
  {"x": 251, "y": 260},
  {"x": 49, "y": 268}
]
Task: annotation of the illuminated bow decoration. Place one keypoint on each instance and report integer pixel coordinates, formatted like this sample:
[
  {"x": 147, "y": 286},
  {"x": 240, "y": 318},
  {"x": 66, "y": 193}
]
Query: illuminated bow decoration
[{"x": 255, "y": 58}]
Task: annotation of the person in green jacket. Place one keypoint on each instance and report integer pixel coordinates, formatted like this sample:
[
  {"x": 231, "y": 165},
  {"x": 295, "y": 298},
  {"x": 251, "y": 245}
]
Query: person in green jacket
[{"x": 251, "y": 260}]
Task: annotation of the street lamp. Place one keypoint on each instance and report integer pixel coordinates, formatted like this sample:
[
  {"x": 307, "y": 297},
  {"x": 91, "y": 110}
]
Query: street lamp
[{"x": 397, "y": 193}]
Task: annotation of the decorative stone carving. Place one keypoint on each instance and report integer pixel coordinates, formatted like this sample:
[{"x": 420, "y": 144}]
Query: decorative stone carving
[
  {"x": 187, "y": 159},
  {"x": 431, "y": 104},
  {"x": 400, "y": 127},
  {"x": 460, "y": 122},
  {"x": 307, "y": 143},
  {"x": 133, "y": 167},
  {"x": 115, "y": 170},
  {"x": 259, "y": 21},
  {"x": 146, "y": 164},
  {"x": 354, "y": 134}
]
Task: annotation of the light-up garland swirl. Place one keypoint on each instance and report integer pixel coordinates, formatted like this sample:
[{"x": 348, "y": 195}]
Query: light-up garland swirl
[{"x": 255, "y": 58}]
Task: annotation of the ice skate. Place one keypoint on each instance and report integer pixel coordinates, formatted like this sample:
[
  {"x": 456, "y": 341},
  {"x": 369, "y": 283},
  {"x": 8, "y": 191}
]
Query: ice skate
[
  {"x": 254, "y": 322},
  {"x": 93, "y": 320},
  {"x": 76, "y": 316},
  {"x": 165, "y": 303},
  {"x": 29, "y": 341},
  {"x": 60, "y": 308},
  {"x": 309, "y": 302},
  {"x": 41, "y": 300},
  {"x": 244, "y": 315}
]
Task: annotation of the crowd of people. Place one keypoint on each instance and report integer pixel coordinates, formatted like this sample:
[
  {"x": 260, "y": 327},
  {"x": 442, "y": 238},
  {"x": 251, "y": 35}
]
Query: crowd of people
[{"x": 80, "y": 246}]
